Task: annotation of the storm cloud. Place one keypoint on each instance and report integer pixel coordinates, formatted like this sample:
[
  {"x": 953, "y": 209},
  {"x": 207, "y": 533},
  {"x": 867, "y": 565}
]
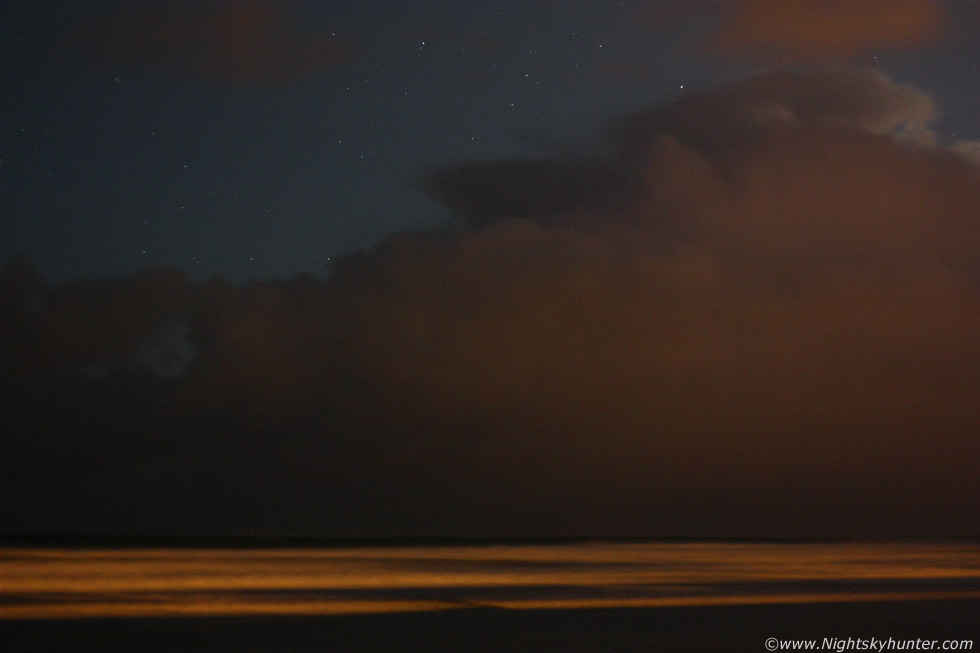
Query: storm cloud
[{"x": 756, "y": 315}]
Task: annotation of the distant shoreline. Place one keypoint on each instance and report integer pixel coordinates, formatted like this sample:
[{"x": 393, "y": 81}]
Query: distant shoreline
[{"x": 34, "y": 540}]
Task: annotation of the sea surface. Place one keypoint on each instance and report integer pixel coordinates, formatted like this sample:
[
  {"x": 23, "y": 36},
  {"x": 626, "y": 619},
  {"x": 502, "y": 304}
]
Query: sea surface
[{"x": 38, "y": 583}]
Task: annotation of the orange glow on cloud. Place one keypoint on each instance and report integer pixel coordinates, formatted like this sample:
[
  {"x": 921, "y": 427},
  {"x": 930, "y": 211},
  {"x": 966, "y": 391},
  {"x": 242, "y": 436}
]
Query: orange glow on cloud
[{"x": 825, "y": 29}]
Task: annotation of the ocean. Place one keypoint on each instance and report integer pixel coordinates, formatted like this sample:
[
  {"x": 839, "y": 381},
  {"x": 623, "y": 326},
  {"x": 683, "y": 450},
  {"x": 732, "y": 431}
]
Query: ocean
[{"x": 196, "y": 593}]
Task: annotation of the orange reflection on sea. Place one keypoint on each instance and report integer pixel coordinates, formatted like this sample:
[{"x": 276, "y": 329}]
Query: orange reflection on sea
[{"x": 62, "y": 583}]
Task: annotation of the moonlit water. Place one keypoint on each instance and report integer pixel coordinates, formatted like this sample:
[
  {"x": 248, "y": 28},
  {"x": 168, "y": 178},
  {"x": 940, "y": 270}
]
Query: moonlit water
[{"x": 64, "y": 583}]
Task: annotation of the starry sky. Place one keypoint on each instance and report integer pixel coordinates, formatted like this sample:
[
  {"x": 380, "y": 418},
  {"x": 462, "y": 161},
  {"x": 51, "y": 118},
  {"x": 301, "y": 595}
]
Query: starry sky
[
  {"x": 483, "y": 268},
  {"x": 258, "y": 140}
]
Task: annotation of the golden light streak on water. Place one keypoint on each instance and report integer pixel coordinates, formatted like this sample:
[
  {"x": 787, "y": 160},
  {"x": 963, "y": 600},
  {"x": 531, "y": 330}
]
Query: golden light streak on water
[{"x": 57, "y": 583}]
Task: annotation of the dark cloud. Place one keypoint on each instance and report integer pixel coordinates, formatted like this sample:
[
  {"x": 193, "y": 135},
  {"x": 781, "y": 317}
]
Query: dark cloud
[
  {"x": 820, "y": 30},
  {"x": 485, "y": 193},
  {"x": 89, "y": 325},
  {"x": 801, "y": 149},
  {"x": 246, "y": 42},
  {"x": 757, "y": 315},
  {"x": 170, "y": 352}
]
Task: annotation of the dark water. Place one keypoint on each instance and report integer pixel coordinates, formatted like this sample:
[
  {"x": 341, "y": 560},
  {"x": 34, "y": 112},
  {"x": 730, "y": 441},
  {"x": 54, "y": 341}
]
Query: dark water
[{"x": 583, "y": 596}]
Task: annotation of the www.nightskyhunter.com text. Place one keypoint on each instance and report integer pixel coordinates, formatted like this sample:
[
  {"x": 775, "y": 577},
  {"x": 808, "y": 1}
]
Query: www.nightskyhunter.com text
[{"x": 873, "y": 644}]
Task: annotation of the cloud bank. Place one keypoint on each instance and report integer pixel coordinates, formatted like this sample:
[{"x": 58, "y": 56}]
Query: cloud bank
[{"x": 757, "y": 316}]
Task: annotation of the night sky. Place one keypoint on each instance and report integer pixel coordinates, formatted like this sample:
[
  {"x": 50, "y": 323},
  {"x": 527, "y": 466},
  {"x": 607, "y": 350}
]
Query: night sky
[{"x": 468, "y": 268}]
